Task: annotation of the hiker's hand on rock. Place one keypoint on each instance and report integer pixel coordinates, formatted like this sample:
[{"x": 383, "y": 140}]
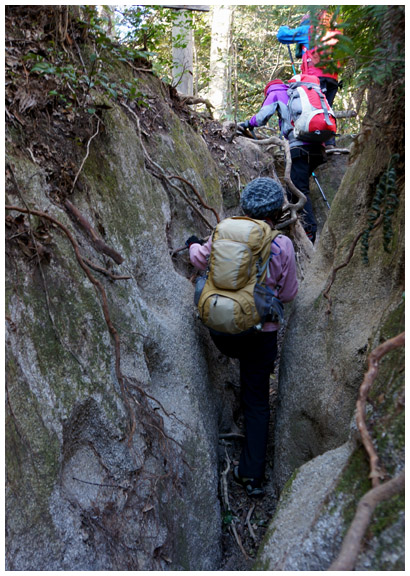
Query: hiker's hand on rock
[
  {"x": 247, "y": 129},
  {"x": 244, "y": 125},
  {"x": 193, "y": 240}
]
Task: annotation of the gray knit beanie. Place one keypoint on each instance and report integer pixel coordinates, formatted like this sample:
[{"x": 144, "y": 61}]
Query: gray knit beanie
[{"x": 261, "y": 197}]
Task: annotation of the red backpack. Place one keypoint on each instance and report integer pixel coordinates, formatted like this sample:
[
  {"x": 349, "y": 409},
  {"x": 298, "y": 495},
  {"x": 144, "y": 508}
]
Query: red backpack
[{"x": 311, "y": 116}]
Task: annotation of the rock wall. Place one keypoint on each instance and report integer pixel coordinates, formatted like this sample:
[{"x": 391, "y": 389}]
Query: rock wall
[
  {"x": 83, "y": 491},
  {"x": 320, "y": 468},
  {"x": 327, "y": 341}
]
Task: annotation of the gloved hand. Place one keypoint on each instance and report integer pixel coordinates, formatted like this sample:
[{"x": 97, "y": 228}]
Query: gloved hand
[
  {"x": 193, "y": 240},
  {"x": 244, "y": 125},
  {"x": 246, "y": 129}
]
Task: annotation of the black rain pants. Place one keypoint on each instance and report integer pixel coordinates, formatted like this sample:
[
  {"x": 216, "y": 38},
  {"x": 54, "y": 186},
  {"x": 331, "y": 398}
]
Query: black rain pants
[
  {"x": 256, "y": 352},
  {"x": 305, "y": 160}
]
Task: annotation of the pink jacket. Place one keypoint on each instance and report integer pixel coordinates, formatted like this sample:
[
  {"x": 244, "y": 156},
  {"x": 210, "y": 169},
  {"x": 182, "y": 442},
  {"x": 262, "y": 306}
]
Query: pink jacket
[
  {"x": 310, "y": 62},
  {"x": 282, "y": 269}
]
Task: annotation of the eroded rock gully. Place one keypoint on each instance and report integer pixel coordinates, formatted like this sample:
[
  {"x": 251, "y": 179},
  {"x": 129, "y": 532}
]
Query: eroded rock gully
[{"x": 116, "y": 397}]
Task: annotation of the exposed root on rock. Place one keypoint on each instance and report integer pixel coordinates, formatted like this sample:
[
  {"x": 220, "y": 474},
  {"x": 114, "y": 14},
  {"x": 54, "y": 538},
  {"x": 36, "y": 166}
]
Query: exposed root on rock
[{"x": 349, "y": 552}]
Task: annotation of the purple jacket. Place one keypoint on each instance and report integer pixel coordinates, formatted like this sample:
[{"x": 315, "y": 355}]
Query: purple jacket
[
  {"x": 276, "y": 101},
  {"x": 276, "y": 93},
  {"x": 281, "y": 279}
]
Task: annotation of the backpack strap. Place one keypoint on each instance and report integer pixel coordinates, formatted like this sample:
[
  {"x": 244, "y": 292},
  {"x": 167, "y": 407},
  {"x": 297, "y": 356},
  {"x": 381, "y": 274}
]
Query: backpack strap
[
  {"x": 325, "y": 110},
  {"x": 265, "y": 265},
  {"x": 285, "y": 119}
]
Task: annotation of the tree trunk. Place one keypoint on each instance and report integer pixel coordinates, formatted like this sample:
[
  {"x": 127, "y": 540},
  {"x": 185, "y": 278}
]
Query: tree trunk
[
  {"x": 182, "y": 54},
  {"x": 220, "y": 58}
]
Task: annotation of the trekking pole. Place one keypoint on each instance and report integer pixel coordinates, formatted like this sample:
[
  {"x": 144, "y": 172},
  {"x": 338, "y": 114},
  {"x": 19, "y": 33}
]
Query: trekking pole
[
  {"x": 291, "y": 59},
  {"x": 321, "y": 191}
]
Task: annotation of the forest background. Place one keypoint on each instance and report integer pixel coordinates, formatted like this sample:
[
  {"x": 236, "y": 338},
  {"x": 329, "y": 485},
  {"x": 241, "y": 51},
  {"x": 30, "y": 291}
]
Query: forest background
[{"x": 233, "y": 53}]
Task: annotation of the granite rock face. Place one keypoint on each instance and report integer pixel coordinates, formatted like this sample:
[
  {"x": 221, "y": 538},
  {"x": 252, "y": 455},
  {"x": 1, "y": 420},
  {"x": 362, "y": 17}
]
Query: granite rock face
[
  {"x": 83, "y": 491},
  {"x": 323, "y": 363}
]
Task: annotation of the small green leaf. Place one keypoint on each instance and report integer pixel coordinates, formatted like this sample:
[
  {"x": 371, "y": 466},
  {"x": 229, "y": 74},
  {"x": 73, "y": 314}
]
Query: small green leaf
[
  {"x": 44, "y": 68},
  {"x": 228, "y": 518}
]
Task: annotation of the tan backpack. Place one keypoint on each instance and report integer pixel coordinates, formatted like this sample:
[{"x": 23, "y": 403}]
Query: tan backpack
[{"x": 233, "y": 298}]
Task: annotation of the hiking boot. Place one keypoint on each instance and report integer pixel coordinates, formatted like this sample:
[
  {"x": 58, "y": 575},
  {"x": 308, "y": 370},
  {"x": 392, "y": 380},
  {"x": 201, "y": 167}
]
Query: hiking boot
[{"x": 252, "y": 486}]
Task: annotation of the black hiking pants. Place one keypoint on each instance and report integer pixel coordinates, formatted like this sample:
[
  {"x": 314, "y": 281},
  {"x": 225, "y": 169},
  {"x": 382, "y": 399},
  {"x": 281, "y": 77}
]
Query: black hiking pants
[
  {"x": 256, "y": 352},
  {"x": 305, "y": 160}
]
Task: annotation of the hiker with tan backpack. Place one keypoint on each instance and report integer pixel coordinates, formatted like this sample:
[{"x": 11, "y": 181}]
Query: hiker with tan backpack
[{"x": 250, "y": 272}]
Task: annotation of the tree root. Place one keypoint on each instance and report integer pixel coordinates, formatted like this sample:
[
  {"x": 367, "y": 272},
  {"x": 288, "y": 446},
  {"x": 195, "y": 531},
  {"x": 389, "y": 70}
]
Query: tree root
[
  {"x": 345, "y": 114},
  {"x": 99, "y": 244},
  {"x": 97, "y": 241},
  {"x": 367, "y": 504},
  {"x": 231, "y": 435},
  {"x": 197, "y": 195},
  {"x": 37, "y": 255},
  {"x": 101, "y": 290},
  {"x": 337, "y": 268},
  {"x": 349, "y": 552},
  {"x": 160, "y": 173},
  {"x": 337, "y": 151},
  {"x": 227, "y": 506},
  {"x": 123, "y": 382},
  {"x": 370, "y": 376},
  {"x": 248, "y": 522},
  {"x": 105, "y": 271},
  {"x": 293, "y": 208},
  {"x": 191, "y": 100},
  {"x": 86, "y": 156},
  {"x": 344, "y": 264}
]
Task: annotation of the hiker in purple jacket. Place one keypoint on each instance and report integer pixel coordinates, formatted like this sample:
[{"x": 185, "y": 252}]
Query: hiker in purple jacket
[
  {"x": 306, "y": 157},
  {"x": 256, "y": 350}
]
